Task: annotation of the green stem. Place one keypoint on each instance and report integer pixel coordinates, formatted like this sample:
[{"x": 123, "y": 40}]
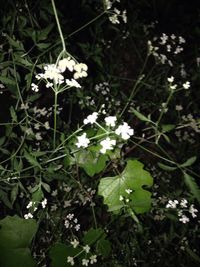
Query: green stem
[
  {"x": 163, "y": 110},
  {"x": 58, "y": 24},
  {"x": 55, "y": 119}
]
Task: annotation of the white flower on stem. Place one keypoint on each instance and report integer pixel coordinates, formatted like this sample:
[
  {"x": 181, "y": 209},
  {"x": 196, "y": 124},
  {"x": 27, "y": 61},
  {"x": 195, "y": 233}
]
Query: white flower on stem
[
  {"x": 44, "y": 203},
  {"x": 38, "y": 136},
  {"x": 121, "y": 198},
  {"x": 53, "y": 73},
  {"x": 86, "y": 248},
  {"x": 34, "y": 87},
  {"x": 183, "y": 203},
  {"x": 91, "y": 118},
  {"x": 128, "y": 191},
  {"x": 184, "y": 219},
  {"x": 66, "y": 63},
  {"x": 170, "y": 79},
  {"x": 186, "y": 85},
  {"x": 93, "y": 259},
  {"x": 80, "y": 70},
  {"x": 193, "y": 211},
  {"x": 125, "y": 131},
  {"x": 110, "y": 121},
  {"x": 30, "y": 204},
  {"x": 48, "y": 85},
  {"x": 83, "y": 141},
  {"x": 107, "y": 144},
  {"x": 74, "y": 243},
  {"x": 72, "y": 83},
  {"x": 172, "y": 204},
  {"x": 85, "y": 262},
  {"x": 70, "y": 260},
  {"x": 28, "y": 216}
]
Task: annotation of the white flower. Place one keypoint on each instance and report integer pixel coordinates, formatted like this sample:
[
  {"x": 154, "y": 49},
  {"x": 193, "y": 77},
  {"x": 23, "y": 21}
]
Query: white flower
[
  {"x": 184, "y": 219},
  {"x": 72, "y": 83},
  {"x": 49, "y": 85},
  {"x": 46, "y": 125},
  {"x": 125, "y": 131},
  {"x": 172, "y": 204},
  {"x": 70, "y": 260},
  {"x": 30, "y": 204},
  {"x": 44, "y": 203},
  {"x": 86, "y": 248},
  {"x": 85, "y": 262},
  {"x": 28, "y": 216},
  {"x": 93, "y": 259},
  {"x": 74, "y": 243},
  {"x": 66, "y": 63},
  {"x": 121, "y": 198},
  {"x": 107, "y": 144},
  {"x": 128, "y": 191},
  {"x": 77, "y": 227},
  {"x": 110, "y": 121},
  {"x": 38, "y": 136},
  {"x": 53, "y": 73},
  {"x": 170, "y": 79},
  {"x": 192, "y": 211},
  {"x": 81, "y": 70},
  {"x": 186, "y": 85},
  {"x": 83, "y": 141},
  {"x": 183, "y": 203},
  {"x": 34, "y": 87},
  {"x": 91, "y": 118}
]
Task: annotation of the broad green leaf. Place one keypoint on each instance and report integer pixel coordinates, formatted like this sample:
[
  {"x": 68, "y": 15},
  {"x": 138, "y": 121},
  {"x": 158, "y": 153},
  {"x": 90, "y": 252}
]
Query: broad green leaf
[
  {"x": 166, "y": 167},
  {"x": 194, "y": 188},
  {"x": 103, "y": 247},
  {"x": 140, "y": 115},
  {"x": 134, "y": 177},
  {"x": 93, "y": 235},
  {"x": 16, "y": 235},
  {"x": 189, "y": 162},
  {"x": 92, "y": 162},
  {"x": 59, "y": 253}
]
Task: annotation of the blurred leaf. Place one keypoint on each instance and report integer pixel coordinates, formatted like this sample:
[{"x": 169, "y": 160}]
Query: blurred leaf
[
  {"x": 32, "y": 160},
  {"x": 140, "y": 115},
  {"x": 194, "y": 188},
  {"x": 166, "y": 167},
  {"x": 189, "y": 162}
]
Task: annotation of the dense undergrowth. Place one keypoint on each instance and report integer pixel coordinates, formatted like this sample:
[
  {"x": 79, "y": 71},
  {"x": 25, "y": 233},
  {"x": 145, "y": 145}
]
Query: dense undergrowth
[{"x": 99, "y": 131}]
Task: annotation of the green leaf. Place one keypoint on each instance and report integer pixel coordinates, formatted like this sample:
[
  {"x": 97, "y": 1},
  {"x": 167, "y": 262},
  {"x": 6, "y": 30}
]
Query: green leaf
[
  {"x": 92, "y": 162},
  {"x": 14, "y": 193},
  {"x": 140, "y": 115},
  {"x": 32, "y": 160},
  {"x": 166, "y": 167},
  {"x": 167, "y": 127},
  {"x": 191, "y": 183},
  {"x": 13, "y": 114},
  {"x": 59, "y": 253},
  {"x": 93, "y": 235},
  {"x": 189, "y": 162},
  {"x": 192, "y": 254},
  {"x": 134, "y": 177},
  {"x": 103, "y": 247},
  {"x": 16, "y": 235}
]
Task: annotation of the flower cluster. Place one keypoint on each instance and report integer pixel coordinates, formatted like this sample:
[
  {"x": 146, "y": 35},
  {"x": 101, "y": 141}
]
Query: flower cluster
[
  {"x": 182, "y": 207},
  {"x": 115, "y": 13},
  {"x": 33, "y": 206},
  {"x": 123, "y": 131},
  {"x": 54, "y": 74},
  {"x": 165, "y": 47},
  {"x": 71, "y": 222}
]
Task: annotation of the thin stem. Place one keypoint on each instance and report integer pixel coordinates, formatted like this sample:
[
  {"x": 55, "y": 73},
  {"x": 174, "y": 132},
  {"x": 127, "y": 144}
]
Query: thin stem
[
  {"x": 58, "y": 24},
  {"x": 166, "y": 104},
  {"x": 55, "y": 119}
]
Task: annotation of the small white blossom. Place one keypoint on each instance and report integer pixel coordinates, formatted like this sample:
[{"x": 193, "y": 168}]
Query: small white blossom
[
  {"x": 186, "y": 85},
  {"x": 30, "y": 204},
  {"x": 72, "y": 83},
  {"x": 172, "y": 204},
  {"x": 170, "y": 79},
  {"x": 38, "y": 136},
  {"x": 93, "y": 259},
  {"x": 66, "y": 63},
  {"x": 70, "y": 260},
  {"x": 110, "y": 121},
  {"x": 86, "y": 248},
  {"x": 85, "y": 262},
  {"x": 184, "y": 219},
  {"x": 44, "y": 203},
  {"x": 48, "y": 85},
  {"x": 91, "y": 118},
  {"x": 121, "y": 198},
  {"x": 193, "y": 211},
  {"x": 183, "y": 203},
  {"x": 128, "y": 191},
  {"x": 34, "y": 87},
  {"x": 28, "y": 216},
  {"x": 125, "y": 131},
  {"x": 107, "y": 144},
  {"x": 83, "y": 141},
  {"x": 74, "y": 243}
]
